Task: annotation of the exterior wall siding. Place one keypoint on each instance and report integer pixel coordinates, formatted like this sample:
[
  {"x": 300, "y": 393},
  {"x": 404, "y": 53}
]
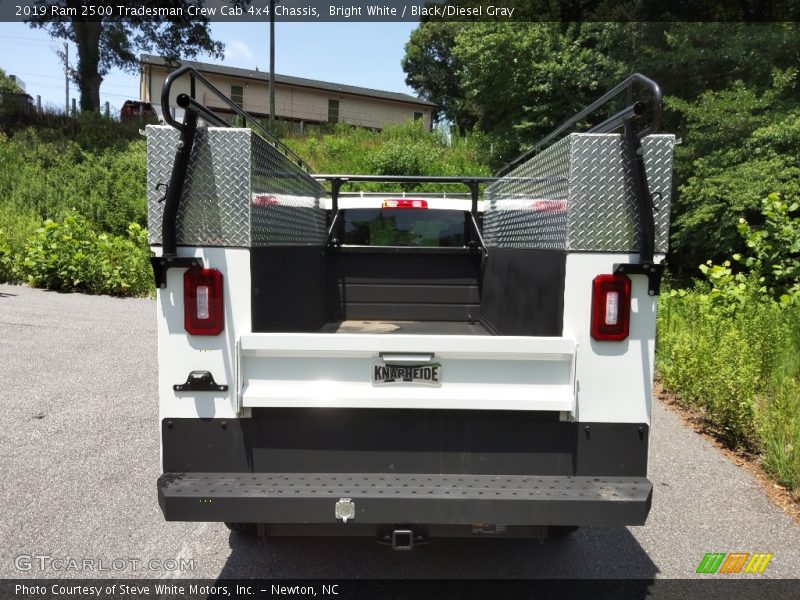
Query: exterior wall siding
[{"x": 291, "y": 102}]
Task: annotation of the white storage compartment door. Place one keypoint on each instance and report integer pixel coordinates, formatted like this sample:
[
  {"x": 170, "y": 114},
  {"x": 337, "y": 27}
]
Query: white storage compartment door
[{"x": 373, "y": 371}]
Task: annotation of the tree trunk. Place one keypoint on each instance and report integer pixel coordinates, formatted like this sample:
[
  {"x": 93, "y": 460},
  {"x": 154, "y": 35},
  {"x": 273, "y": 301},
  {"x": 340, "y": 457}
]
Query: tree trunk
[{"x": 87, "y": 39}]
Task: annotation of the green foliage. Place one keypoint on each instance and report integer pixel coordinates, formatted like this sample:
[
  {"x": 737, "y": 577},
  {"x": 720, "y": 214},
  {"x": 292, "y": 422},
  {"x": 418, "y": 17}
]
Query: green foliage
[
  {"x": 724, "y": 171},
  {"x": 433, "y": 71},
  {"x": 69, "y": 255},
  {"x": 92, "y": 132},
  {"x": 731, "y": 347},
  {"x": 740, "y": 368},
  {"x": 524, "y": 79},
  {"x": 399, "y": 158},
  {"x": 772, "y": 262},
  {"x": 45, "y": 172},
  {"x": 779, "y": 426},
  {"x": 72, "y": 206},
  {"x": 7, "y": 84},
  {"x": 709, "y": 358},
  {"x": 689, "y": 59},
  {"x": 16, "y": 227},
  {"x": 406, "y": 149},
  {"x": 775, "y": 248},
  {"x": 729, "y": 290},
  {"x": 540, "y": 64}
]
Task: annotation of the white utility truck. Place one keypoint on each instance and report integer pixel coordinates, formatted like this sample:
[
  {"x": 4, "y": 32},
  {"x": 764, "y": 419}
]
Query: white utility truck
[{"x": 398, "y": 365}]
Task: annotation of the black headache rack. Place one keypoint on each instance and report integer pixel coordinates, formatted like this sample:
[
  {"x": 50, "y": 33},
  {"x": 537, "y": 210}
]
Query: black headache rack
[
  {"x": 472, "y": 183},
  {"x": 637, "y": 119},
  {"x": 193, "y": 110}
]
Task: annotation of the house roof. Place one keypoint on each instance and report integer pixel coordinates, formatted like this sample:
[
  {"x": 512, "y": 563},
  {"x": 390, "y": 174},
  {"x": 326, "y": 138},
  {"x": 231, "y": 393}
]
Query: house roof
[{"x": 150, "y": 59}]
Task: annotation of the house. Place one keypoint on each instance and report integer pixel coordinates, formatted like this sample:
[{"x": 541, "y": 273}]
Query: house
[{"x": 296, "y": 99}]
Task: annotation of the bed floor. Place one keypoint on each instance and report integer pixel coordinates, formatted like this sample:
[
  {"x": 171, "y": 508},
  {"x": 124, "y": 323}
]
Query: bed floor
[{"x": 407, "y": 327}]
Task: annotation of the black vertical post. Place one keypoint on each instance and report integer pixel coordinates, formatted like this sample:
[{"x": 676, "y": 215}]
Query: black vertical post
[
  {"x": 175, "y": 187},
  {"x": 473, "y": 190},
  {"x": 641, "y": 190},
  {"x": 336, "y": 185},
  {"x": 271, "y": 64}
]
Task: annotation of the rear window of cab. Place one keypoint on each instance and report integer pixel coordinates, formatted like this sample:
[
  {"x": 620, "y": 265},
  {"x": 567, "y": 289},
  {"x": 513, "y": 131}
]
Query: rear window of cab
[{"x": 404, "y": 227}]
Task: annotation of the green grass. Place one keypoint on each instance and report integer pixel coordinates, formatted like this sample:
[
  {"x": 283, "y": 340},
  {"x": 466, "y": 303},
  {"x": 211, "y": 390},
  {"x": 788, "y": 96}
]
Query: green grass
[{"x": 397, "y": 150}]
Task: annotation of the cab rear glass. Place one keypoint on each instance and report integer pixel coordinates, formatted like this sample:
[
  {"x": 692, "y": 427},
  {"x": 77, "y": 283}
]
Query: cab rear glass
[{"x": 404, "y": 227}]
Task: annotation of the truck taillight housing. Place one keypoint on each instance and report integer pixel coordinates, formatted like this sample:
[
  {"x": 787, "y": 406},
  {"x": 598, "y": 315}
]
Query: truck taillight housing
[
  {"x": 203, "y": 308},
  {"x": 611, "y": 307}
]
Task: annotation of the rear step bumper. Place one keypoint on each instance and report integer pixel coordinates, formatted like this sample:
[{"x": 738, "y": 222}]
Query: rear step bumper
[{"x": 382, "y": 498}]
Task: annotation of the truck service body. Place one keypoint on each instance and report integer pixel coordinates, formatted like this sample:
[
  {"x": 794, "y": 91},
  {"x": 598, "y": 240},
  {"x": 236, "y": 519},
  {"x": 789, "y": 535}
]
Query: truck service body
[{"x": 406, "y": 366}]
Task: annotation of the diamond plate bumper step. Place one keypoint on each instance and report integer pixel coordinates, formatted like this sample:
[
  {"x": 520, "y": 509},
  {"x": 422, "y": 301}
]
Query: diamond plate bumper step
[{"x": 380, "y": 498}]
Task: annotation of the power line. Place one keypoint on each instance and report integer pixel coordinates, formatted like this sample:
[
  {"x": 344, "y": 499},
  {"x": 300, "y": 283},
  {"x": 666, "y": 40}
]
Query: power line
[
  {"x": 17, "y": 37},
  {"x": 131, "y": 86},
  {"x": 75, "y": 89}
]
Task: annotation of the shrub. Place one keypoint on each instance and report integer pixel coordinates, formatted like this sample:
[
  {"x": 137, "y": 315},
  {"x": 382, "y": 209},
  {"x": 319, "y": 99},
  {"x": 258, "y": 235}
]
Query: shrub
[
  {"x": 405, "y": 149},
  {"x": 16, "y": 226},
  {"x": 731, "y": 347},
  {"x": 46, "y": 175},
  {"x": 779, "y": 426},
  {"x": 403, "y": 157},
  {"x": 707, "y": 359},
  {"x": 69, "y": 255}
]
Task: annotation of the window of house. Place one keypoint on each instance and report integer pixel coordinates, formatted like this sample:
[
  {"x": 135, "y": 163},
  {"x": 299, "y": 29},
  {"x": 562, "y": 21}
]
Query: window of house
[
  {"x": 237, "y": 95},
  {"x": 417, "y": 116},
  {"x": 333, "y": 111}
]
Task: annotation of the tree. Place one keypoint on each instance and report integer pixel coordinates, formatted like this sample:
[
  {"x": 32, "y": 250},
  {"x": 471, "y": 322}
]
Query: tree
[
  {"x": 517, "y": 80},
  {"x": 432, "y": 70},
  {"x": 107, "y": 43},
  {"x": 524, "y": 79},
  {"x": 740, "y": 146}
]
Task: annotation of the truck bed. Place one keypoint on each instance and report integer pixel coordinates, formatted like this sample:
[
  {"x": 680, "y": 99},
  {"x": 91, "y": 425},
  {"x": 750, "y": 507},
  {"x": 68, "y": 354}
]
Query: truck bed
[{"x": 407, "y": 327}]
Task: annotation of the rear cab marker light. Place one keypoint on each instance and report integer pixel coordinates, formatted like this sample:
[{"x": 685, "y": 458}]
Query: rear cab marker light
[{"x": 405, "y": 204}]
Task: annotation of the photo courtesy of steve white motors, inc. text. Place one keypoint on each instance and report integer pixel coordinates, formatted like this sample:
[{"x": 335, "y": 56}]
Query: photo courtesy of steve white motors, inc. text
[{"x": 140, "y": 589}]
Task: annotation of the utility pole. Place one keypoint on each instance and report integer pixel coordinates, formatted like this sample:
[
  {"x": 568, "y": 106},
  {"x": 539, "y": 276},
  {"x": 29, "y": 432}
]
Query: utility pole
[
  {"x": 66, "y": 78},
  {"x": 271, "y": 64}
]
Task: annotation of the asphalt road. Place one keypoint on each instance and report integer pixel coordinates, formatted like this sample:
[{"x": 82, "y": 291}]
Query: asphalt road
[{"x": 79, "y": 461}]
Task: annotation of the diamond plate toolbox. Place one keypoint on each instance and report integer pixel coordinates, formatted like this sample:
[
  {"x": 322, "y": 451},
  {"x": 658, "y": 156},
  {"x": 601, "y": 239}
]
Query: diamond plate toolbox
[
  {"x": 577, "y": 195},
  {"x": 240, "y": 191}
]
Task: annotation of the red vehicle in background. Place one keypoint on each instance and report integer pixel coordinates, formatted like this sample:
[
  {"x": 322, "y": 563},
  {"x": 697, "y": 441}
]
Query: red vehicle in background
[{"x": 137, "y": 110}]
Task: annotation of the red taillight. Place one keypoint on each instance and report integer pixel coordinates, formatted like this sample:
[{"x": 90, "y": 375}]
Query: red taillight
[
  {"x": 405, "y": 204},
  {"x": 611, "y": 307},
  {"x": 203, "y": 312}
]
